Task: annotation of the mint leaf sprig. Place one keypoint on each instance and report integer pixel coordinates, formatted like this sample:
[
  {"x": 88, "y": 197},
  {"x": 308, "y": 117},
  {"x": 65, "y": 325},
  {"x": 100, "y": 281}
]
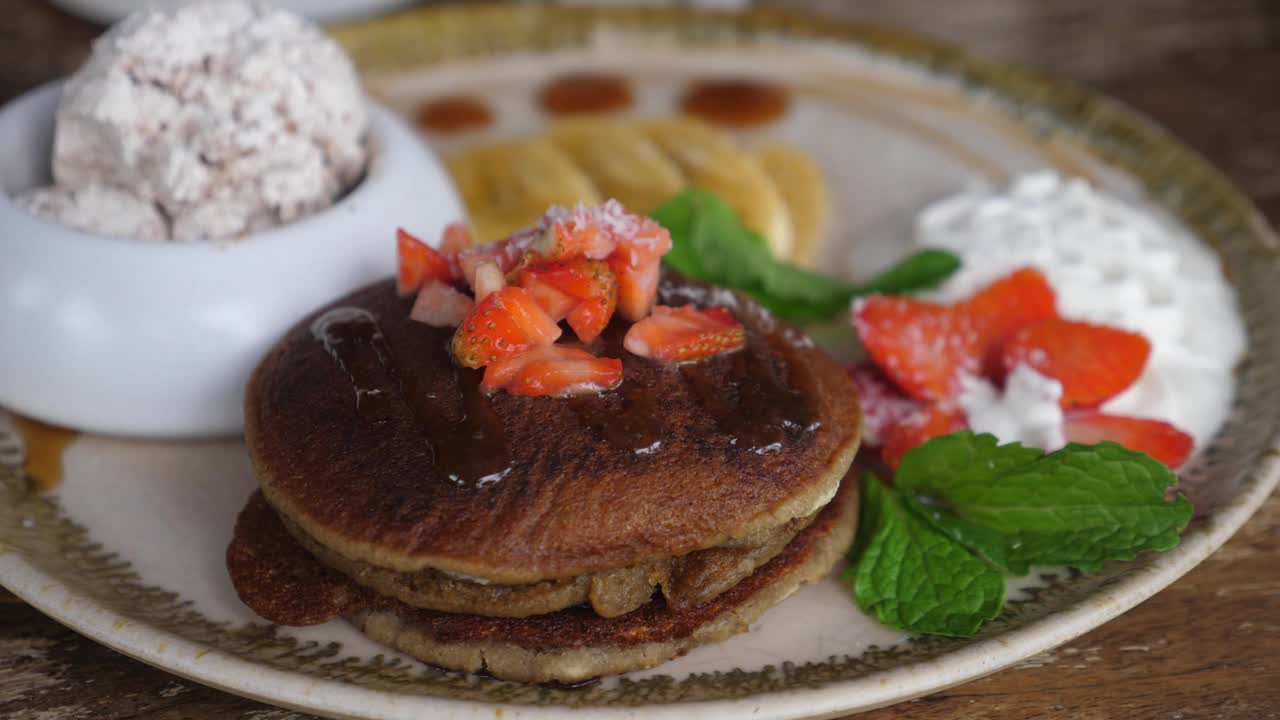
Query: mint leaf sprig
[
  {"x": 933, "y": 550},
  {"x": 709, "y": 243}
]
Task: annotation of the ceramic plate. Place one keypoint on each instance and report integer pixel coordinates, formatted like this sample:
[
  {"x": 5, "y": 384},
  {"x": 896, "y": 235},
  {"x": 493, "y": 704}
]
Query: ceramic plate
[{"x": 129, "y": 548}]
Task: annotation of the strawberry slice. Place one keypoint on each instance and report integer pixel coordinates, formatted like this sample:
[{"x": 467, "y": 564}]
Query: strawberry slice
[
  {"x": 417, "y": 263},
  {"x": 503, "y": 324},
  {"x": 578, "y": 235},
  {"x": 489, "y": 279},
  {"x": 1000, "y": 309},
  {"x": 554, "y": 370},
  {"x": 927, "y": 422},
  {"x": 590, "y": 282},
  {"x": 883, "y": 406},
  {"x": 685, "y": 333},
  {"x": 508, "y": 254},
  {"x": 1158, "y": 439},
  {"x": 1092, "y": 362},
  {"x": 455, "y": 238},
  {"x": 923, "y": 347},
  {"x": 637, "y": 284},
  {"x": 557, "y": 304},
  {"x": 440, "y": 305}
]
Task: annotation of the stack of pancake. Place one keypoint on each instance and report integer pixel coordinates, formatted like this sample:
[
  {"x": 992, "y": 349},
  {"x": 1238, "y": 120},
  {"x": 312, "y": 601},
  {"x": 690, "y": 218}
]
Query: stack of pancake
[{"x": 539, "y": 539}]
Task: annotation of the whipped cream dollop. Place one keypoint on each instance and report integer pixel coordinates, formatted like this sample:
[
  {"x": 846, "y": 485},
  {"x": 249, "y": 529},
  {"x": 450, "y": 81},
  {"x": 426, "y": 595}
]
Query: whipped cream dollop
[
  {"x": 227, "y": 117},
  {"x": 1110, "y": 263}
]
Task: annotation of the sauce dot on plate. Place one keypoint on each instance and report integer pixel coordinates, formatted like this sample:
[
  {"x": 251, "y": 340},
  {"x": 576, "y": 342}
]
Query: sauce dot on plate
[
  {"x": 585, "y": 92},
  {"x": 736, "y": 103},
  {"x": 454, "y": 113}
]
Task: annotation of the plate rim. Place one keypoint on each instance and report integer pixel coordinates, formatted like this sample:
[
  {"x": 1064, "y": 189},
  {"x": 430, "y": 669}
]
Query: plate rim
[{"x": 304, "y": 692}]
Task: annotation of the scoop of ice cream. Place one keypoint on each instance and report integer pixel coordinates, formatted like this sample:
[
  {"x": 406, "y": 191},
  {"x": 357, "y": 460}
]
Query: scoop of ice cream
[
  {"x": 97, "y": 209},
  {"x": 230, "y": 116}
]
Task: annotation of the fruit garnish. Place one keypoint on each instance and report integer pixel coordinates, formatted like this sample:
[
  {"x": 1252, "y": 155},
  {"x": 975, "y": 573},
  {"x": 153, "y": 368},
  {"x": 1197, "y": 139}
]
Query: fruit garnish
[
  {"x": 553, "y": 370},
  {"x": 503, "y": 324},
  {"x": 418, "y": 262},
  {"x": 590, "y": 283},
  {"x": 489, "y": 279},
  {"x": 440, "y": 305},
  {"x": 1012, "y": 302},
  {"x": 1093, "y": 362},
  {"x": 923, "y": 347},
  {"x": 685, "y": 333},
  {"x": 637, "y": 285},
  {"x": 573, "y": 234},
  {"x": 455, "y": 238},
  {"x": 1157, "y": 438},
  {"x": 507, "y": 254},
  {"x": 557, "y": 304},
  {"x": 927, "y": 422}
]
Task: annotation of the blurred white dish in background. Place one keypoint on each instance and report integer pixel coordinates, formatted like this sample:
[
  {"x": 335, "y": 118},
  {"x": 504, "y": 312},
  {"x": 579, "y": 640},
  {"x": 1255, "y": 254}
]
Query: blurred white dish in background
[
  {"x": 157, "y": 339},
  {"x": 109, "y": 11}
]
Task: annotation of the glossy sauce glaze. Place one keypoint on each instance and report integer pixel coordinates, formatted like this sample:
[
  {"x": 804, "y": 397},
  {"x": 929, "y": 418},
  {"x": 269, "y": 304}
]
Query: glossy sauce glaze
[
  {"x": 736, "y": 103},
  {"x": 584, "y": 92},
  {"x": 454, "y": 114},
  {"x": 466, "y": 437},
  {"x": 755, "y": 400},
  {"x": 42, "y": 449}
]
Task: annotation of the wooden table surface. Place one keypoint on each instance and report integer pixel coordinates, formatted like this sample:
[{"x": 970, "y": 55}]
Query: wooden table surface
[{"x": 1207, "y": 647}]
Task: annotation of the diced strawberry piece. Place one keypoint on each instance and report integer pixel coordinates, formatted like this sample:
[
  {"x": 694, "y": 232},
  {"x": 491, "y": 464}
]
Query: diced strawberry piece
[
  {"x": 505, "y": 323},
  {"x": 489, "y": 279},
  {"x": 455, "y": 238},
  {"x": 554, "y": 370},
  {"x": 1160, "y": 440},
  {"x": 685, "y": 333},
  {"x": 927, "y": 422},
  {"x": 440, "y": 305},
  {"x": 1092, "y": 362},
  {"x": 637, "y": 284},
  {"x": 573, "y": 237},
  {"x": 556, "y": 303},
  {"x": 590, "y": 282},
  {"x": 418, "y": 262},
  {"x": 923, "y": 347},
  {"x": 508, "y": 254},
  {"x": 1000, "y": 309}
]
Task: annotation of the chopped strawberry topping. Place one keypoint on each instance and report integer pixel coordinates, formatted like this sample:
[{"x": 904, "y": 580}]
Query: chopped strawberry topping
[
  {"x": 590, "y": 283},
  {"x": 1160, "y": 440},
  {"x": 555, "y": 370},
  {"x": 455, "y": 238},
  {"x": 440, "y": 305},
  {"x": 637, "y": 285},
  {"x": 417, "y": 263},
  {"x": 883, "y": 405},
  {"x": 557, "y": 304},
  {"x": 685, "y": 333},
  {"x": 489, "y": 279},
  {"x": 503, "y": 324},
  {"x": 575, "y": 236},
  {"x": 508, "y": 254},
  {"x": 1092, "y": 362}
]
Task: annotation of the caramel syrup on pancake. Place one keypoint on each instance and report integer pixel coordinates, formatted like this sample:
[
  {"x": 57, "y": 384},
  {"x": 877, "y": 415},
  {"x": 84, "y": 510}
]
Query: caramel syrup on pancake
[
  {"x": 634, "y": 424},
  {"x": 353, "y": 339},
  {"x": 42, "y": 447},
  {"x": 467, "y": 440}
]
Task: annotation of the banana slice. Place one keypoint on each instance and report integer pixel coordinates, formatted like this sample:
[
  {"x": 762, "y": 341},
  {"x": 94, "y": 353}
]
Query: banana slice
[
  {"x": 804, "y": 190},
  {"x": 620, "y": 160},
  {"x": 507, "y": 185},
  {"x": 710, "y": 160}
]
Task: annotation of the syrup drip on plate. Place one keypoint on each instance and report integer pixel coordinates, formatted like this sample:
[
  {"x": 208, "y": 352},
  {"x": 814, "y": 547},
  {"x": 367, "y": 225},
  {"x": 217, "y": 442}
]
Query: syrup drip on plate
[{"x": 42, "y": 449}]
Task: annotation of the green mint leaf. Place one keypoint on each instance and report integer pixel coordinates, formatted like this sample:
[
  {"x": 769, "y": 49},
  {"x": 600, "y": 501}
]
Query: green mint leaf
[
  {"x": 915, "y": 578},
  {"x": 1081, "y": 506},
  {"x": 920, "y": 271},
  {"x": 709, "y": 243}
]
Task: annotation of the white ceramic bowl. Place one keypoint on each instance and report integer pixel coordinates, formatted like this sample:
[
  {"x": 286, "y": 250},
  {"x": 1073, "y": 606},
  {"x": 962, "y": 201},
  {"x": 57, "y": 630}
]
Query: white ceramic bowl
[{"x": 158, "y": 339}]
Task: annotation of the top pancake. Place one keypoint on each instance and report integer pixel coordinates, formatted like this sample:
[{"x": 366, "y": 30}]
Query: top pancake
[{"x": 425, "y": 471}]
